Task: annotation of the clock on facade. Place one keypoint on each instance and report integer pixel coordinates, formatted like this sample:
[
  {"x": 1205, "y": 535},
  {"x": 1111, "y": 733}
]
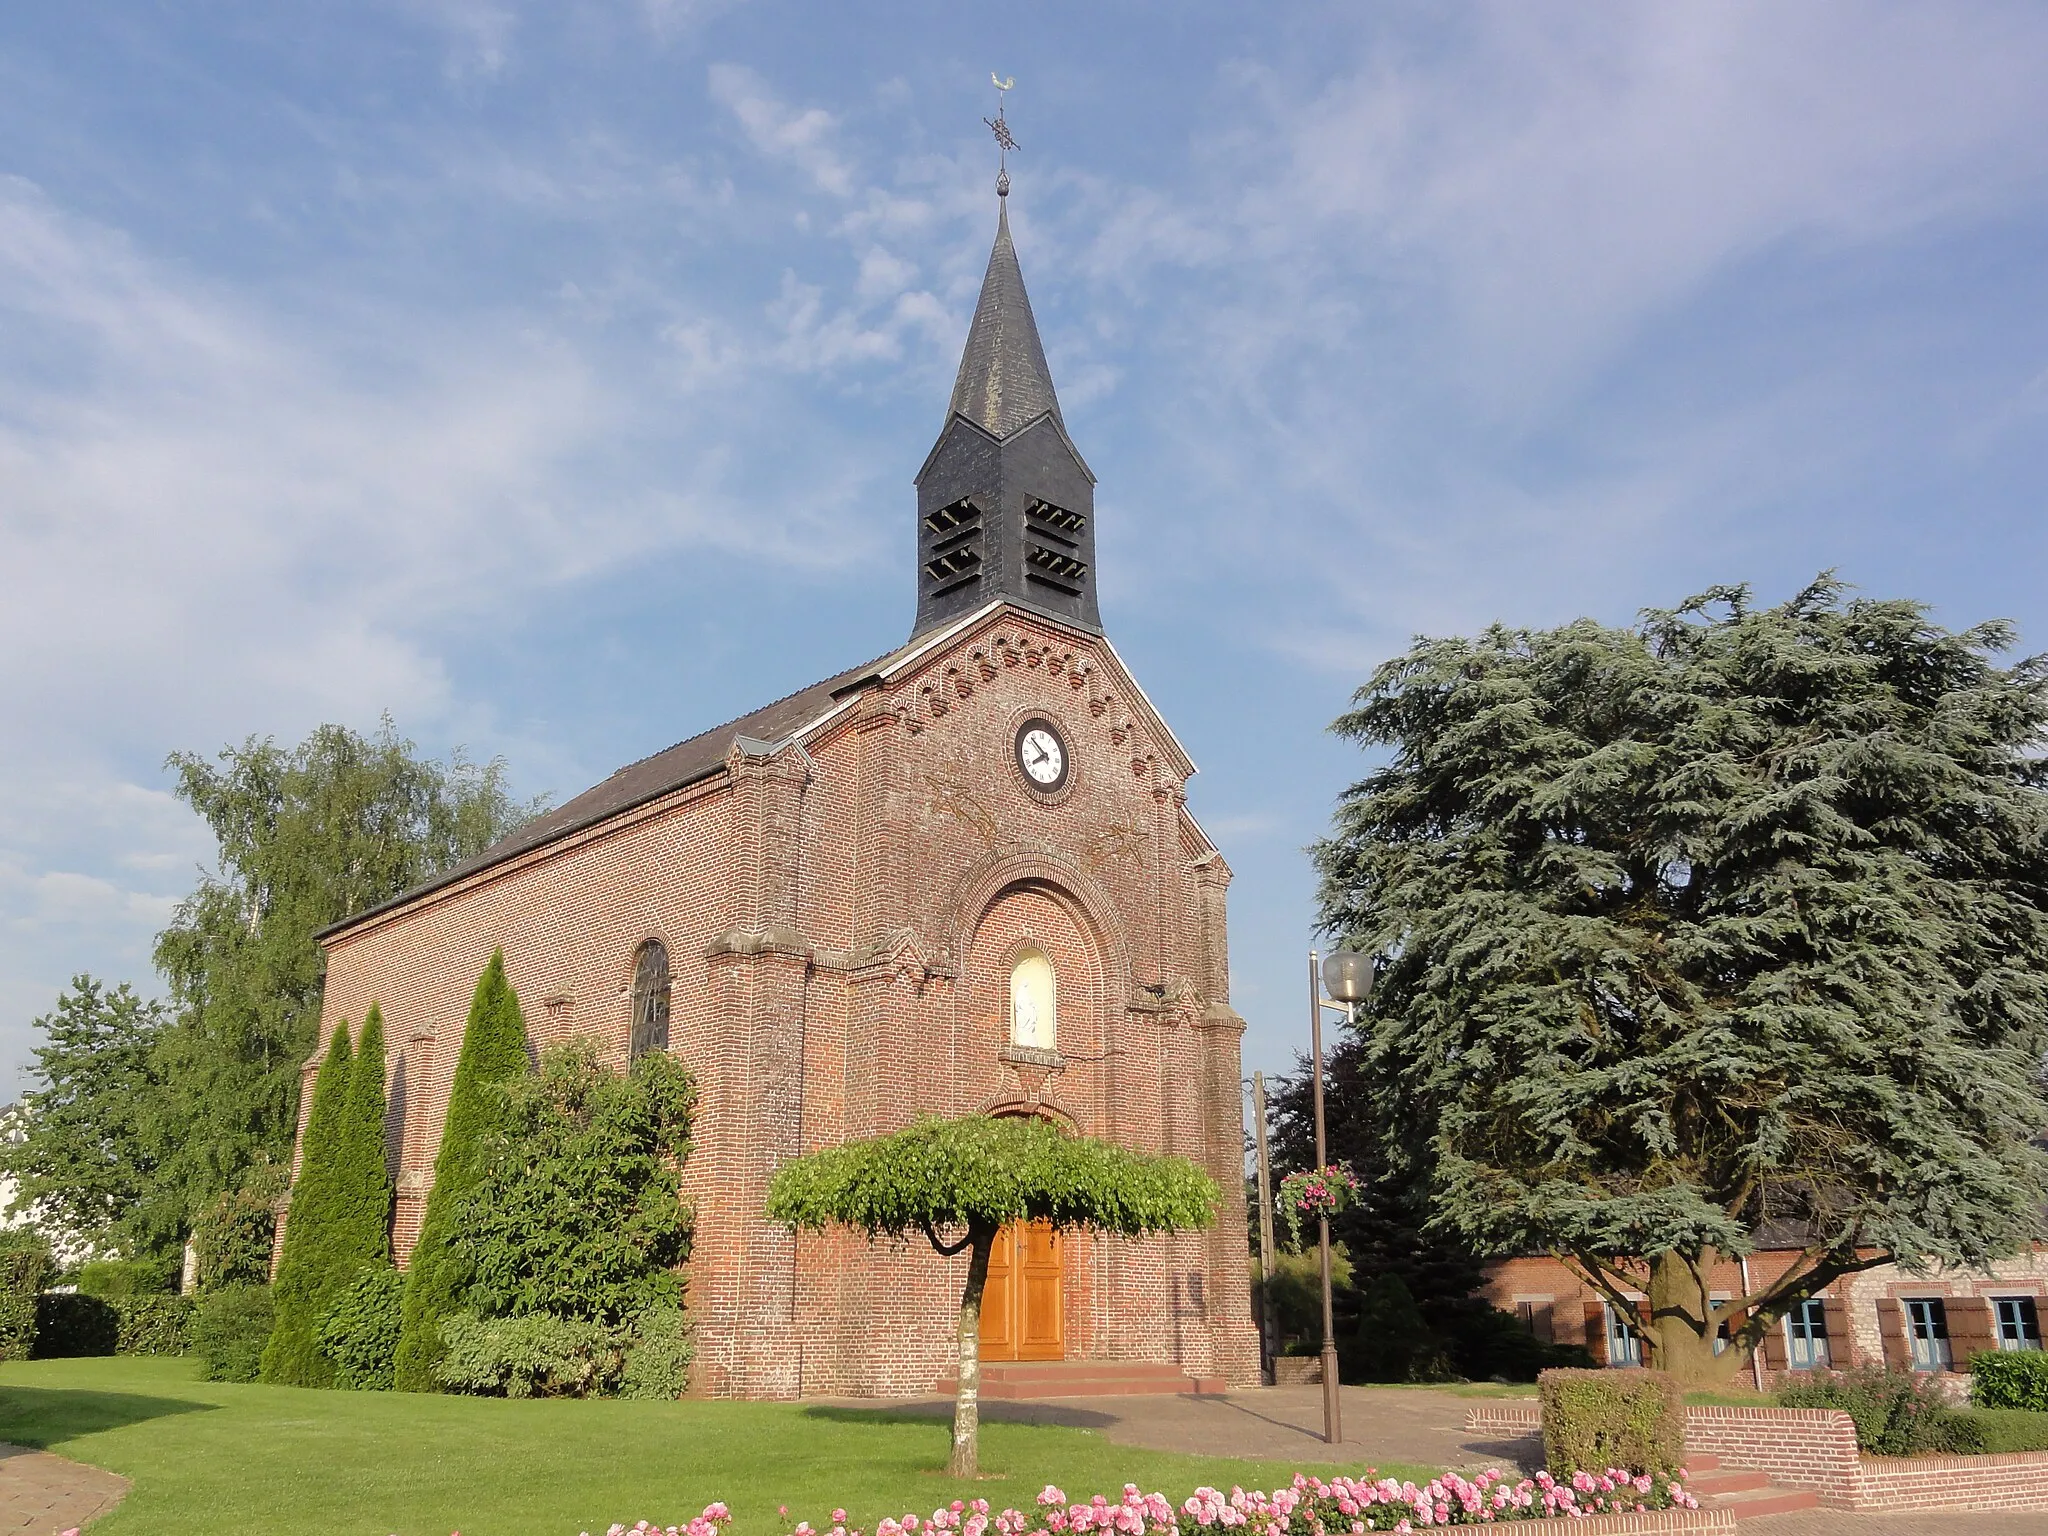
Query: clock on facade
[{"x": 1042, "y": 754}]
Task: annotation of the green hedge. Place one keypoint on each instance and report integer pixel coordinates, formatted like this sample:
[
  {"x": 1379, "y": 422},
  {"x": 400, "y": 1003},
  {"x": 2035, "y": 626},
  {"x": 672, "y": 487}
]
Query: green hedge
[
  {"x": 2010, "y": 1429},
  {"x": 229, "y": 1330},
  {"x": 1593, "y": 1420},
  {"x": 2010, "y": 1379},
  {"x": 24, "y": 1263},
  {"x": 1896, "y": 1413},
  {"x": 154, "y": 1325},
  {"x": 112, "y": 1278},
  {"x": 70, "y": 1324}
]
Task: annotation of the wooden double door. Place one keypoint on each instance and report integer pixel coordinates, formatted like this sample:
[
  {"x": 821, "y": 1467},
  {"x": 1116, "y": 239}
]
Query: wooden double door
[{"x": 1023, "y": 1309}]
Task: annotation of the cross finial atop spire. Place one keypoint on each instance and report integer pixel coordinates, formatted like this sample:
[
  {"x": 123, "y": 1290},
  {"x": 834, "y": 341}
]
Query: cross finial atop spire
[{"x": 1001, "y": 129}]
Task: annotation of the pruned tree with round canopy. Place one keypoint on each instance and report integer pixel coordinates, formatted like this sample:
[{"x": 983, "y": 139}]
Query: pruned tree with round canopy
[
  {"x": 957, "y": 1183},
  {"x": 1732, "y": 921}
]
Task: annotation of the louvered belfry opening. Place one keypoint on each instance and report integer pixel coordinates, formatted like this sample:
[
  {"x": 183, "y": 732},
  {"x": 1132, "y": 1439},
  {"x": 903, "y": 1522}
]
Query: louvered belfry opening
[{"x": 1005, "y": 501}]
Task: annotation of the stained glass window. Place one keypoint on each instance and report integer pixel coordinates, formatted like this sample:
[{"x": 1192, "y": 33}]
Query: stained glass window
[{"x": 650, "y": 999}]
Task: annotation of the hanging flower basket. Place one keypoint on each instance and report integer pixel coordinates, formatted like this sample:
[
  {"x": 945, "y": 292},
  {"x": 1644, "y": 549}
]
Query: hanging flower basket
[{"x": 1316, "y": 1192}]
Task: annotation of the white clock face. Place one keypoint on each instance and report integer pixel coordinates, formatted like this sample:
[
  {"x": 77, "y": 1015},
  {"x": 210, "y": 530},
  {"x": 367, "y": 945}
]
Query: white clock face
[{"x": 1040, "y": 755}]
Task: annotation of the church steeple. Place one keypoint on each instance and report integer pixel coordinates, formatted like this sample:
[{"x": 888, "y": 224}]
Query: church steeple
[{"x": 1005, "y": 502}]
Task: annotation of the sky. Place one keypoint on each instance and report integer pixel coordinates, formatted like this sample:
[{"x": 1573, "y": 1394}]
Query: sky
[{"x": 552, "y": 376}]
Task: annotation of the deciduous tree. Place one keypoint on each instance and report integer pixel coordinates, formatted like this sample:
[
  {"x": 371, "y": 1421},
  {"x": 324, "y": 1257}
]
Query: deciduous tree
[
  {"x": 1735, "y": 917},
  {"x": 306, "y": 836},
  {"x": 972, "y": 1176},
  {"x": 84, "y": 1148}
]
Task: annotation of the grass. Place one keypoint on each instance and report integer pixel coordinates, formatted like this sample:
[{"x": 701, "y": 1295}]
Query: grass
[{"x": 217, "y": 1459}]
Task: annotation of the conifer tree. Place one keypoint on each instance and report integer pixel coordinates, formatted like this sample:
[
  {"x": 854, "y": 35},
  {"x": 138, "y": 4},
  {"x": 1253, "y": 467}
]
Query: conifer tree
[
  {"x": 1735, "y": 920},
  {"x": 493, "y": 1049},
  {"x": 292, "y": 1357},
  {"x": 362, "y": 1194}
]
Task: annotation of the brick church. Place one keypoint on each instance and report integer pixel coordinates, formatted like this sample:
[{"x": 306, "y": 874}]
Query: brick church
[{"x": 959, "y": 878}]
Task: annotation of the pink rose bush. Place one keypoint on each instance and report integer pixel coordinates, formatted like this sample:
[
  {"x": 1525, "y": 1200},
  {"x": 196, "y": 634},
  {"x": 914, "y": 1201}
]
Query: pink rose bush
[{"x": 1310, "y": 1506}]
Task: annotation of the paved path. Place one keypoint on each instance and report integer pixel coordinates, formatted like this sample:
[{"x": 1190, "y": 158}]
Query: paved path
[
  {"x": 1415, "y": 1426},
  {"x": 43, "y": 1495}
]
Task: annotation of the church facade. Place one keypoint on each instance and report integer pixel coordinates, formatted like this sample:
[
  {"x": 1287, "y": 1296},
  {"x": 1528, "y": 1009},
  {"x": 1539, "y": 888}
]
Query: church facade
[{"x": 959, "y": 878}]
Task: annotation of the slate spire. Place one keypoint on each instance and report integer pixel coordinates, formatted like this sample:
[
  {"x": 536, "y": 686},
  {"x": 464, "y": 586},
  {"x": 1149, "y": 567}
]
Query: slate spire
[
  {"x": 1005, "y": 502},
  {"x": 1003, "y": 382}
]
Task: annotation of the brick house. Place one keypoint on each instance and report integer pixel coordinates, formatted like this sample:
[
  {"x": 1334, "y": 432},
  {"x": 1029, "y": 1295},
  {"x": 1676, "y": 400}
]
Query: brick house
[
  {"x": 960, "y": 877},
  {"x": 1882, "y": 1316}
]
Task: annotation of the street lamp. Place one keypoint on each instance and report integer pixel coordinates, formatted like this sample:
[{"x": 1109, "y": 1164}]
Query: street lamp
[{"x": 1342, "y": 981}]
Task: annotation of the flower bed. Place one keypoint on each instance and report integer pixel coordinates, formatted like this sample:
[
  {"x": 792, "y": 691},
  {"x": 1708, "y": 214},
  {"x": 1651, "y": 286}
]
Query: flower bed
[{"x": 1309, "y": 1507}]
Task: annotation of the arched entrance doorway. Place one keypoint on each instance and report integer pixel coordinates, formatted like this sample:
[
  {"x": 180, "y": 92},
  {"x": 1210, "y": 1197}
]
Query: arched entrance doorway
[{"x": 1023, "y": 1309}]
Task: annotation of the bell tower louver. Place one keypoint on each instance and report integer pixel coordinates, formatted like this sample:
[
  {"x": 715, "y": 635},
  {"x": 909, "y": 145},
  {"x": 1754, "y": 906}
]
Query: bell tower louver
[{"x": 1005, "y": 502}]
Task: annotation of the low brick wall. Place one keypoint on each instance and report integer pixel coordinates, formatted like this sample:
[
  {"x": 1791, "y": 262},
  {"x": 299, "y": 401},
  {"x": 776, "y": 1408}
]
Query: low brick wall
[
  {"x": 2014, "y": 1480},
  {"x": 1711, "y": 1522},
  {"x": 1816, "y": 1448},
  {"x": 1297, "y": 1370}
]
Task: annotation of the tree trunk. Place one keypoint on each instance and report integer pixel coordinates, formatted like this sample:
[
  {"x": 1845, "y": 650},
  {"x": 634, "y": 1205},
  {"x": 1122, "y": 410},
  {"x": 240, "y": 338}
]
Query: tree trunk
[
  {"x": 1682, "y": 1325},
  {"x": 966, "y": 1458}
]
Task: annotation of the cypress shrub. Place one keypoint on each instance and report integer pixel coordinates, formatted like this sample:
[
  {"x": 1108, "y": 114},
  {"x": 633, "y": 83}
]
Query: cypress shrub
[
  {"x": 305, "y": 1277},
  {"x": 1593, "y": 1420},
  {"x": 72, "y": 1324},
  {"x": 362, "y": 1177},
  {"x": 24, "y": 1264},
  {"x": 493, "y": 1050}
]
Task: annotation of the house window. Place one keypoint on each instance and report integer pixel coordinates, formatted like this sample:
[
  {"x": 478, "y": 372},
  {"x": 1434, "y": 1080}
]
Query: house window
[
  {"x": 650, "y": 999},
  {"x": 1927, "y": 1333},
  {"x": 1624, "y": 1344},
  {"x": 1034, "y": 1002},
  {"x": 2019, "y": 1322},
  {"x": 1806, "y": 1336},
  {"x": 1525, "y": 1314},
  {"x": 1722, "y": 1337}
]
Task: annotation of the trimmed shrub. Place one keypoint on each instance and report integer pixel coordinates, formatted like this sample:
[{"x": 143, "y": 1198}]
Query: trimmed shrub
[
  {"x": 1897, "y": 1413},
  {"x": 360, "y": 1330},
  {"x": 24, "y": 1265},
  {"x": 125, "y": 1277},
  {"x": 1593, "y": 1420},
  {"x": 235, "y": 1235},
  {"x": 2016, "y": 1378},
  {"x": 493, "y": 1050},
  {"x": 230, "y": 1327},
  {"x": 71, "y": 1325},
  {"x": 658, "y": 1355},
  {"x": 2010, "y": 1429},
  {"x": 153, "y": 1325},
  {"x": 538, "y": 1355}
]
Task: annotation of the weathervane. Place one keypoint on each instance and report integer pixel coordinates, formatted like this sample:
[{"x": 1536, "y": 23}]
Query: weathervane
[{"x": 1001, "y": 129}]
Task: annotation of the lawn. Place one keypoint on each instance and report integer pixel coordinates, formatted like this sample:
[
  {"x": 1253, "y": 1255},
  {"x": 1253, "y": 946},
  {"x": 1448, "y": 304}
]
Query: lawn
[{"x": 217, "y": 1459}]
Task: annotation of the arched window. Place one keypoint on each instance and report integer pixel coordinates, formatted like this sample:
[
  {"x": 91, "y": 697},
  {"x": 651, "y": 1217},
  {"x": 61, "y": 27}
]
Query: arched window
[
  {"x": 1034, "y": 1002},
  {"x": 650, "y": 999}
]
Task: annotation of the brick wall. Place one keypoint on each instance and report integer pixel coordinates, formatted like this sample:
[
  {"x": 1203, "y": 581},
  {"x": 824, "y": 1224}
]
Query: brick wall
[
  {"x": 840, "y": 917},
  {"x": 1816, "y": 1448}
]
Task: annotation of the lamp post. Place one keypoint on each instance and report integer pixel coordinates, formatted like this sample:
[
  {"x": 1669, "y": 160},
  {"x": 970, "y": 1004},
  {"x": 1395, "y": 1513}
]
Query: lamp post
[{"x": 1346, "y": 977}]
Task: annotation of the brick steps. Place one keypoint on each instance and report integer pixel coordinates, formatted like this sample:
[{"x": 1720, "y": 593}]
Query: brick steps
[
  {"x": 1018, "y": 1380},
  {"x": 1745, "y": 1495}
]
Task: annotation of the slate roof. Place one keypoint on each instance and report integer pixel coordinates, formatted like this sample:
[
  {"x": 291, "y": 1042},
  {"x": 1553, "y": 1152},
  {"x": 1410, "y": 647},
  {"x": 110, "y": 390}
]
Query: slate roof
[
  {"x": 1003, "y": 382},
  {"x": 649, "y": 779}
]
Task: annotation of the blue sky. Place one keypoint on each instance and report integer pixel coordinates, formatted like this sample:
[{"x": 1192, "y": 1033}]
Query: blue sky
[{"x": 552, "y": 376}]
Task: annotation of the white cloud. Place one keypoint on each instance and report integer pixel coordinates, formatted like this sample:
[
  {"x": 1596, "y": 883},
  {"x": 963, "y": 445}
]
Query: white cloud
[{"x": 800, "y": 137}]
